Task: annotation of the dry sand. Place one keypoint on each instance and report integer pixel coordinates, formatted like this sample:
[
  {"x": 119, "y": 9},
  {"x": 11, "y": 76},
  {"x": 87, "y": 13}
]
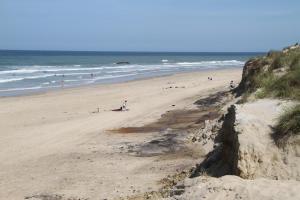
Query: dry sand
[{"x": 56, "y": 146}]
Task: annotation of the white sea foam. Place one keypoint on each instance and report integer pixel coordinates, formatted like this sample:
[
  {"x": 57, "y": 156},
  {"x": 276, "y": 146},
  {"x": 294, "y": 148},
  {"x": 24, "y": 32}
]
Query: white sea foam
[
  {"x": 114, "y": 76},
  {"x": 10, "y": 80},
  {"x": 126, "y": 68},
  {"x": 28, "y": 88},
  {"x": 72, "y": 69},
  {"x": 20, "y": 89},
  {"x": 19, "y": 71},
  {"x": 51, "y": 76},
  {"x": 213, "y": 63},
  {"x": 23, "y": 78},
  {"x": 123, "y": 66},
  {"x": 75, "y": 74},
  {"x": 47, "y": 69},
  {"x": 73, "y": 80}
]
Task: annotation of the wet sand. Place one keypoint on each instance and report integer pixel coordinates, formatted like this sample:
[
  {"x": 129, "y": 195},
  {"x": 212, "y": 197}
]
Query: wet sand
[{"x": 57, "y": 145}]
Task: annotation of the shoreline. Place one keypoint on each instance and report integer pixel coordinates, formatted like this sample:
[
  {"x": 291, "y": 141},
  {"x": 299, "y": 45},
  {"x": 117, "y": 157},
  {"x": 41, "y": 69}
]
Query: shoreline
[
  {"x": 57, "y": 143},
  {"x": 55, "y": 89}
]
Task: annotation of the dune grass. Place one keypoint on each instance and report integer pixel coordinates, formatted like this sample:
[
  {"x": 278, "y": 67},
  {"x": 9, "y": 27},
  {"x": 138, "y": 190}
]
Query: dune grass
[
  {"x": 285, "y": 86},
  {"x": 288, "y": 124},
  {"x": 280, "y": 80}
]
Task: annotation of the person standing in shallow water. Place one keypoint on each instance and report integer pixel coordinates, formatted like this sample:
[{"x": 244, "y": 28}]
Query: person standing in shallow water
[{"x": 63, "y": 81}]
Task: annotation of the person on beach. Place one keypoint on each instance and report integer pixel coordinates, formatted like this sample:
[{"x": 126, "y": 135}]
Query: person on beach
[
  {"x": 124, "y": 106},
  {"x": 232, "y": 84}
]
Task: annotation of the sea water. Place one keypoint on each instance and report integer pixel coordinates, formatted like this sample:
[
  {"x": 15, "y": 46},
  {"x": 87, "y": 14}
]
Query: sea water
[{"x": 23, "y": 72}]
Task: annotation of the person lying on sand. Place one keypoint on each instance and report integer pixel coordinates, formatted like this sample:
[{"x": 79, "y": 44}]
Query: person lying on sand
[{"x": 123, "y": 107}]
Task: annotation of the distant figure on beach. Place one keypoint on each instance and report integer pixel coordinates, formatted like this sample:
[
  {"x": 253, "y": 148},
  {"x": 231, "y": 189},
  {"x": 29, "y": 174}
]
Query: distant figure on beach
[
  {"x": 124, "y": 106},
  {"x": 92, "y": 75},
  {"x": 232, "y": 85},
  {"x": 62, "y": 83}
]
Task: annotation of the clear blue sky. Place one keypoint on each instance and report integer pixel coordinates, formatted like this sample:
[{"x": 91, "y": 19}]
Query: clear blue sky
[{"x": 149, "y": 25}]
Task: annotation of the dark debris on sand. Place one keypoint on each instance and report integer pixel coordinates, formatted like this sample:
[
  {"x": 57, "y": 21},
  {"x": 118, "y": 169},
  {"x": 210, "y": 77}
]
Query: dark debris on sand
[{"x": 172, "y": 127}]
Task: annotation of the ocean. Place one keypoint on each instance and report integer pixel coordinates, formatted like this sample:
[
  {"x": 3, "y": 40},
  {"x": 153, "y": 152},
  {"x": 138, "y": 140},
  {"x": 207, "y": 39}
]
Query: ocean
[{"x": 24, "y": 72}]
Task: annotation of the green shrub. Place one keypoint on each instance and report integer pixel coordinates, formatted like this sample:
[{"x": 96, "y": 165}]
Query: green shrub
[
  {"x": 264, "y": 83},
  {"x": 273, "y": 54},
  {"x": 277, "y": 63},
  {"x": 286, "y": 60},
  {"x": 288, "y": 124},
  {"x": 265, "y": 80},
  {"x": 295, "y": 63},
  {"x": 286, "y": 86}
]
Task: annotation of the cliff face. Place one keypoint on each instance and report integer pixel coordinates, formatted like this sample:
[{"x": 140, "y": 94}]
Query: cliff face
[
  {"x": 251, "y": 69},
  {"x": 246, "y": 162},
  {"x": 258, "y": 155},
  {"x": 246, "y": 148},
  {"x": 276, "y": 76}
]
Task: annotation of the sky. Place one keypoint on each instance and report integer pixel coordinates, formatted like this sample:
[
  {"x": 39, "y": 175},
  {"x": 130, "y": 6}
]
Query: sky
[{"x": 149, "y": 25}]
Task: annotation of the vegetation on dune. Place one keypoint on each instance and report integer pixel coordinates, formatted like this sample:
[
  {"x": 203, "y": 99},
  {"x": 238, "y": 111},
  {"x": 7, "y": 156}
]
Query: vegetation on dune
[
  {"x": 288, "y": 124},
  {"x": 282, "y": 83},
  {"x": 286, "y": 86},
  {"x": 276, "y": 75}
]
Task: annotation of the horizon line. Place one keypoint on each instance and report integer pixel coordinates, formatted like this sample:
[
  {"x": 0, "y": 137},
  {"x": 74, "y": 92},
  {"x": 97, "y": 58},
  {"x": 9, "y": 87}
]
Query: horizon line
[{"x": 130, "y": 51}]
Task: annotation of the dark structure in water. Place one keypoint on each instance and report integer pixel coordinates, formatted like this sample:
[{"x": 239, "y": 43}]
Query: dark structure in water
[{"x": 123, "y": 63}]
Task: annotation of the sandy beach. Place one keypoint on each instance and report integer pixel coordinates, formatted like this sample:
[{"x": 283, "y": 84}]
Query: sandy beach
[{"x": 58, "y": 144}]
